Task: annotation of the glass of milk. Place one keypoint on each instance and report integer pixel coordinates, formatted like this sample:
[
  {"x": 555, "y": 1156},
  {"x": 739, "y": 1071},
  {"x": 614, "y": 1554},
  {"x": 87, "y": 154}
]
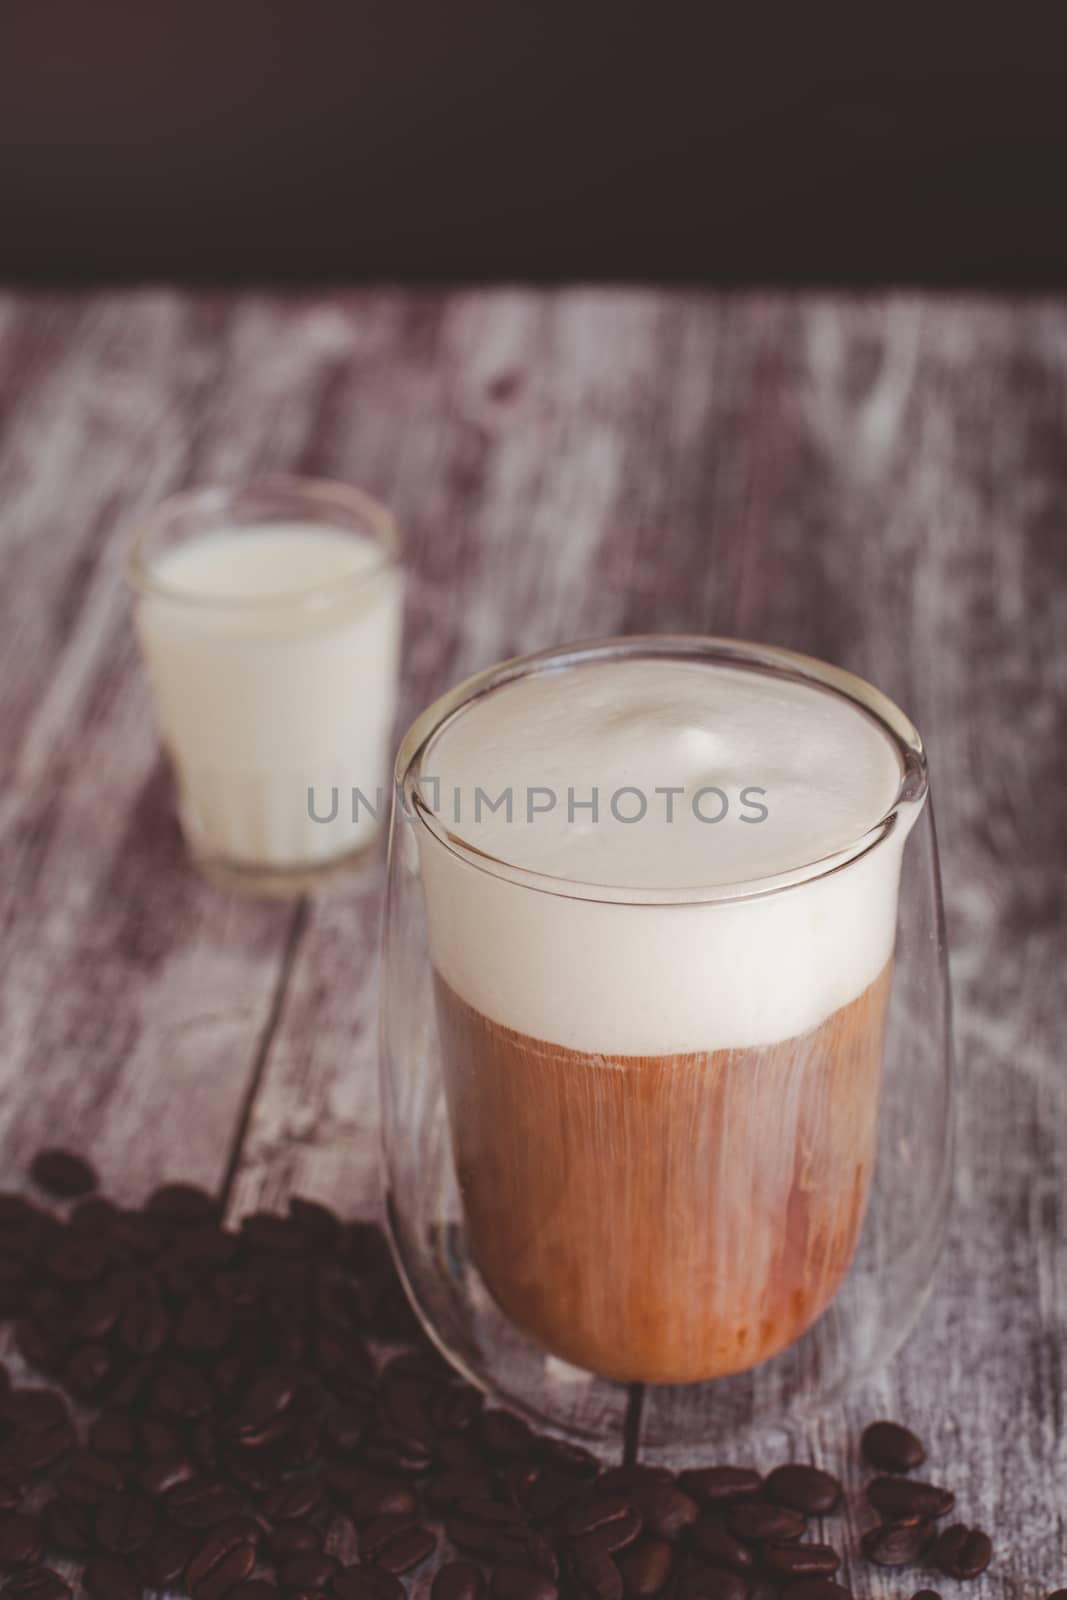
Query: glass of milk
[{"x": 269, "y": 618}]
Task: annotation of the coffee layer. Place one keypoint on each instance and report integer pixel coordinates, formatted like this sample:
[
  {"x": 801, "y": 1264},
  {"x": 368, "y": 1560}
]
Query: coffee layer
[{"x": 672, "y": 1218}]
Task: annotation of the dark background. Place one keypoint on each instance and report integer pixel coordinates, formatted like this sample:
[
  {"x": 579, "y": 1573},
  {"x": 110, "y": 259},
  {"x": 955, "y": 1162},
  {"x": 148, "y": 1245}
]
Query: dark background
[{"x": 300, "y": 139}]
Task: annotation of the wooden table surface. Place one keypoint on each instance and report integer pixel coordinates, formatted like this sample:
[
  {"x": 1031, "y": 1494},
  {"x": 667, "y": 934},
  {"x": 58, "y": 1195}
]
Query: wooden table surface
[{"x": 879, "y": 481}]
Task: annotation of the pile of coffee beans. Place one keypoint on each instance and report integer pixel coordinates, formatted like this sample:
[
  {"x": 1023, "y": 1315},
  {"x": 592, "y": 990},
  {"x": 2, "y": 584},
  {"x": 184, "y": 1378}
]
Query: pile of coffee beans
[{"x": 215, "y": 1421}]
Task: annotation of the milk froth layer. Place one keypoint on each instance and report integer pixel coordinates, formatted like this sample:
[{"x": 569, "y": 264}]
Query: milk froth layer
[{"x": 810, "y": 770}]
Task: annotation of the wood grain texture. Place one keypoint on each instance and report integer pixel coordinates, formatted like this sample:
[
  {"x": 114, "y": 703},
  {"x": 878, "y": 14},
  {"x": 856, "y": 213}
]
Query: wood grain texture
[{"x": 880, "y": 481}]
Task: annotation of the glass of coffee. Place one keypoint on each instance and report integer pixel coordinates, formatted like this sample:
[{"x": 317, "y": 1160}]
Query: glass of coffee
[{"x": 666, "y": 1059}]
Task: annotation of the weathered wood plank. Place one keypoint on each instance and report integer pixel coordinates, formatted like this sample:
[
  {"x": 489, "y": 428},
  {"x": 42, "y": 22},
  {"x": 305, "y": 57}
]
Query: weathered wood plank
[
  {"x": 503, "y": 457},
  {"x": 135, "y": 996},
  {"x": 898, "y": 517},
  {"x": 876, "y": 480},
  {"x": 872, "y": 481}
]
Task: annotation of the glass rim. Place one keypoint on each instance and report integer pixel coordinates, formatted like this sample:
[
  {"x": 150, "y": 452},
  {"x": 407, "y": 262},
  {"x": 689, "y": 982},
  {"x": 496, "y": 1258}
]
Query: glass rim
[
  {"x": 904, "y": 809},
  {"x": 317, "y": 497}
]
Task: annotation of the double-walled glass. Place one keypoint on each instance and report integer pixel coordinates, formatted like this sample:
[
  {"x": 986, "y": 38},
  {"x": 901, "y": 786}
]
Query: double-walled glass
[{"x": 762, "y": 1222}]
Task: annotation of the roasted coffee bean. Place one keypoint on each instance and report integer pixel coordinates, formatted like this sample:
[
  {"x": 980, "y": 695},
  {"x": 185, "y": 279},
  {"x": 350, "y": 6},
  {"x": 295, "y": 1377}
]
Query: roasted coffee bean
[
  {"x": 801, "y": 1560},
  {"x": 458, "y": 1452},
  {"x": 98, "y": 1312},
  {"x": 207, "y": 1247},
  {"x": 254, "y": 1589},
  {"x": 392, "y": 1452},
  {"x": 144, "y": 1326},
  {"x": 645, "y": 1567},
  {"x": 248, "y": 1435},
  {"x": 569, "y": 1460},
  {"x": 406, "y": 1550},
  {"x": 270, "y": 1395},
  {"x": 454, "y": 1411},
  {"x": 621, "y": 1480},
  {"x": 36, "y": 1583},
  {"x": 34, "y": 1449},
  {"x": 202, "y": 1503},
  {"x": 298, "y": 1498},
  {"x": 40, "y": 1344},
  {"x": 182, "y": 1204},
  {"x": 88, "y": 1479},
  {"x": 891, "y": 1447},
  {"x": 665, "y": 1509},
  {"x": 344, "y": 1426},
  {"x": 78, "y": 1258},
  {"x": 254, "y": 1471},
  {"x": 720, "y": 1486},
  {"x": 484, "y": 1540},
  {"x": 612, "y": 1536},
  {"x": 299, "y": 1444},
  {"x": 87, "y": 1369},
  {"x": 132, "y": 1388},
  {"x": 758, "y": 1521},
  {"x": 125, "y": 1523},
  {"x": 135, "y": 1237},
  {"x": 346, "y": 1478},
  {"x": 294, "y": 1539},
  {"x": 316, "y": 1220},
  {"x": 458, "y": 1580},
  {"x": 181, "y": 1391},
  {"x": 95, "y": 1213},
  {"x": 32, "y": 1408},
  {"x": 905, "y": 1500},
  {"x": 817, "y": 1589},
  {"x": 157, "y": 1437},
  {"x": 719, "y": 1548},
  {"x": 896, "y": 1544},
  {"x": 712, "y": 1583},
  {"x": 160, "y": 1477},
  {"x": 165, "y": 1557},
  {"x": 594, "y": 1575},
  {"x": 21, "y": 1539},
  {"x": 63, "y": 1174},
  {"x": 204, "y": 1325},
  {"x": 241, "y": 1527},
  {"x": 519, "y": 1583},
  {"x": 545, "y": 1498},
  {"x": 502, "y": 1436},
  {"x": 11, "y": 1494},
  {"x": 509, "y": 1544},
  {"x": 962, "y": 1552},
  {"x": 588, "y": 1514},
  {"x": 493, "y": 1513},
  {"x": 407, "y": 1406},
  {"x": 311, "y": 1571},
  {"x": 108, "y": 1578},
  {"x": 384, "y": 1498},
  {"x": 14, "y": 1287},
  {"x": 67, "y": 1528},
  {"x": 228, "y": 1373},
  {"x": 451, "y": 1487},
  {"x": 375, "y": 1535},
  {"x": 367, "y": 1583},
  {"x": 802, "y": 1488},
  {"x": 115, "y": 1436},
  {"x": 932, "y": 1594},
  {"x": 219, "y": 1565}
]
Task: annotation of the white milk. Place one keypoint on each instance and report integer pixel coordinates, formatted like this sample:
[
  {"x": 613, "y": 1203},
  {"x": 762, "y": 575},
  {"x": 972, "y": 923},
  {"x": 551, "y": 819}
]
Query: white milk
[
  {"x": 272, "y": 651},
  {"x": 768, "y": 777}
]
